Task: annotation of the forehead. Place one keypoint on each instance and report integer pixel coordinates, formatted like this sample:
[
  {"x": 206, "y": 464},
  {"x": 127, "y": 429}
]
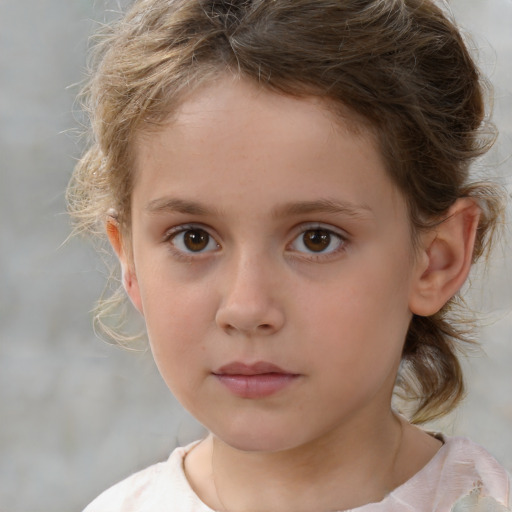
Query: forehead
[
  {"x": 232, "y": 135},
  {"x": 241, "y": 102}
]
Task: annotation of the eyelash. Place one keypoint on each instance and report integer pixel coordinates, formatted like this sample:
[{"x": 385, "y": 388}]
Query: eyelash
[
  {"x": 342, "y": 241},
  {"x": 190, "y": 255}
]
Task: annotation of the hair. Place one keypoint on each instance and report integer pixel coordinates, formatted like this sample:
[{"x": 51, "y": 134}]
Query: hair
[{"x": 399, "y": 65}]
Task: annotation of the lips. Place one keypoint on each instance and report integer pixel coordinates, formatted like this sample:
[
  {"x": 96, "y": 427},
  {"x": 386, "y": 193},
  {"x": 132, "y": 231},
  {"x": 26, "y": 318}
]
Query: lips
[
  {"x": 259, "y": 368},
  {"x": 258, "y": 380}
]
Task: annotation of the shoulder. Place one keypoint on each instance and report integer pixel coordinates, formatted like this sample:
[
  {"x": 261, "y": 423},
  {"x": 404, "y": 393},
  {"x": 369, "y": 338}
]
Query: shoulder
[
  {"x": 162, "y": 486},
  {"x": 490, "y": 483},
  {"x": 462, "y": 476},
  {"x": 127, "y": 495},
  {"x": 464, "y": 452}
]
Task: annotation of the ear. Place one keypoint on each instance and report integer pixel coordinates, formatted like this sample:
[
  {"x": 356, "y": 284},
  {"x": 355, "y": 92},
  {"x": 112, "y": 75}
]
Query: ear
[
  {"x": 445, "y": 258},
  {"x": 129, "y": 276}
]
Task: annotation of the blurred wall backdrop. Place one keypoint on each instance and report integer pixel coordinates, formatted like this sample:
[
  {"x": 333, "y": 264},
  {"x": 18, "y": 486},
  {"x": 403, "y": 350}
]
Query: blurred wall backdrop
[{"x": 77, "y": 415}]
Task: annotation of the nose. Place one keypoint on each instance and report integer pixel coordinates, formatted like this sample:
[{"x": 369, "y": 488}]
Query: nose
[{"x": 250, "y": 304}]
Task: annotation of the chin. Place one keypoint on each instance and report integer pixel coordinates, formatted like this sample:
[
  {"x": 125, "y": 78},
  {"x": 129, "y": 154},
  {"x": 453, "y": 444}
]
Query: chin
[{"x": 257, "y": 438}]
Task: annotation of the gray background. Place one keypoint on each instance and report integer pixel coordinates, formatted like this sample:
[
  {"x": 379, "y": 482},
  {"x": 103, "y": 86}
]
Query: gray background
[{"x": 77, "y": 415}]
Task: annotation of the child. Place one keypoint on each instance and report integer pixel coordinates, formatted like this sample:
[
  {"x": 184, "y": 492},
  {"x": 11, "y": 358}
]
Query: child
[{"x": 285, "y": 184}]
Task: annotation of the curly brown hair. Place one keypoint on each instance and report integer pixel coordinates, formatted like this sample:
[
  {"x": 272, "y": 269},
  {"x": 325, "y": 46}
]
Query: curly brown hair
[{"x": 399, "y": 65}]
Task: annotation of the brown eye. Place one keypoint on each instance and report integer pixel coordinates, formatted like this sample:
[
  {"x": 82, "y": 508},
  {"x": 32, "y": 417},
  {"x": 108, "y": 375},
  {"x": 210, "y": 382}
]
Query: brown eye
[
  {"x": 317, "y": 240},
  {"x": 193, "y": 240},
  {"x": 196, "y": 240}
]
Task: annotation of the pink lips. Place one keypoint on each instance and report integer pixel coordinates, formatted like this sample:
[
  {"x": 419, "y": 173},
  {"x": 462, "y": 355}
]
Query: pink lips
[{"x": 254, "y": 381}]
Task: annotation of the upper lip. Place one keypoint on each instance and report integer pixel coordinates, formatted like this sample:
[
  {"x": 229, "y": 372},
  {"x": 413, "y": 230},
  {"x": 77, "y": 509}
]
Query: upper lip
[{"x": 259, "y": 368}]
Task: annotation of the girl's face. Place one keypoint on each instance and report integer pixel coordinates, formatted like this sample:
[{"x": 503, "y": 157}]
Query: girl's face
[{"x": 272, "y": 261}]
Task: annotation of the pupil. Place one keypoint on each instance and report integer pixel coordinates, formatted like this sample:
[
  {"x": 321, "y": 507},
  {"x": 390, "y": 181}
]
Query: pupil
[
  {"x": 196, "y": 240},
  {"x": 317, "y": 240}
]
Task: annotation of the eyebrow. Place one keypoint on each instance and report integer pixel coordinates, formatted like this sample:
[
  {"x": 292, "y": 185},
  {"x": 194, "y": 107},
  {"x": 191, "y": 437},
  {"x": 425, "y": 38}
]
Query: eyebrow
[
  {"x": 331, "y": 206},
  {"x": 169, "y": 204}
]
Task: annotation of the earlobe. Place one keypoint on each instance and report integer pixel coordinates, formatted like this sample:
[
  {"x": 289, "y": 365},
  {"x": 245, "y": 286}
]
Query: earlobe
[
  {"x": 129, "y": 277},
  {"x": 445, "y": 259}
]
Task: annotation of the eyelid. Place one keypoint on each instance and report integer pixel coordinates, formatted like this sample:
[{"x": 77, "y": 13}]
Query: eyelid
[
  {"x": 312, "y": 225},
  {"x": 173, "y": 232},
  {"x": 321, "y": 255},
  {"x": 297, "y": 231}
]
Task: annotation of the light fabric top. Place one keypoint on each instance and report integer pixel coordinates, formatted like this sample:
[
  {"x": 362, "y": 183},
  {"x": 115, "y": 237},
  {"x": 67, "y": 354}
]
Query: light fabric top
[{"x": 461, "y": 477}]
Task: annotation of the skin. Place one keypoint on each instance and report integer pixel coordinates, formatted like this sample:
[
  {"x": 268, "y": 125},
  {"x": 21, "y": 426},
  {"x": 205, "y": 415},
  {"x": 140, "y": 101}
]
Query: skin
[{"x": 253, "y": 173}]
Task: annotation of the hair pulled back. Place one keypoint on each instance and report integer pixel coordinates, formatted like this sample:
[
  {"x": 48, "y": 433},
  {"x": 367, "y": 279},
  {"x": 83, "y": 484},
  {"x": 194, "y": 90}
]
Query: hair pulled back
[{"x": 399, "y": 65}]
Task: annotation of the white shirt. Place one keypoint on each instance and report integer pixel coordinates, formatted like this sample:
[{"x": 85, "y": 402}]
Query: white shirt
[{"x": 461, "y": 477}]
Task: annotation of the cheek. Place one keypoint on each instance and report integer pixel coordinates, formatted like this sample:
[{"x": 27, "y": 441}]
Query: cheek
[
  {"x": 362, "y": 318},
  {"x": 176, "y": 316},
  {"x": 177, "y": 334}
]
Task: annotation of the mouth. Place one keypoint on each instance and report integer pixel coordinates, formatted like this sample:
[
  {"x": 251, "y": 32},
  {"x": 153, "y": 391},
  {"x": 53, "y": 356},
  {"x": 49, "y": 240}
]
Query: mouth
[{"x": 258, "y": 380}]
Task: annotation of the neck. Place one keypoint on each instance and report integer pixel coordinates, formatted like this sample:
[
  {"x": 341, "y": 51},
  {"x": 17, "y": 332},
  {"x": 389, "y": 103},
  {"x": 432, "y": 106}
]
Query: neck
[{"x": 338, "y": 471}]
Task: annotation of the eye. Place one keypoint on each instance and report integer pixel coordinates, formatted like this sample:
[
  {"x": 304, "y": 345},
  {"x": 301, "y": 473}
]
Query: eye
[
  {"x": 193, "y": 240},
  {"x": 318, "y": 240}
]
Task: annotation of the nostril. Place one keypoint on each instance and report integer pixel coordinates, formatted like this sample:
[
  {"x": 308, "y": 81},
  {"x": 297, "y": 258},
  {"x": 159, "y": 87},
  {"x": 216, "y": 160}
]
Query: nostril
[
  {"x": 230, "y": 329},
  {"x": 262, "y": 328},
  {"x": 232, "y": 318}
]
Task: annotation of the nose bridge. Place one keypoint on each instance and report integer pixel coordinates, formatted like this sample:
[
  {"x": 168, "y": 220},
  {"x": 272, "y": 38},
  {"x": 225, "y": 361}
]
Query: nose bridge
[
  {"x": 249, "y": 303},
  {"x": 249, "y": 268}
]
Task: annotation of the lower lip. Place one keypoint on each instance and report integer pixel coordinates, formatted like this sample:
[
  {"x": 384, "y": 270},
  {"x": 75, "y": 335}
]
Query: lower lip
[{"x": 256, "y": 386}]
